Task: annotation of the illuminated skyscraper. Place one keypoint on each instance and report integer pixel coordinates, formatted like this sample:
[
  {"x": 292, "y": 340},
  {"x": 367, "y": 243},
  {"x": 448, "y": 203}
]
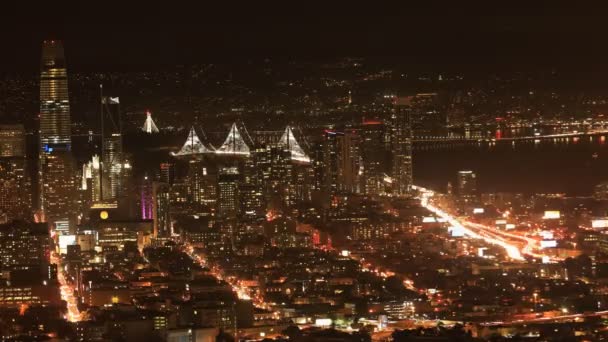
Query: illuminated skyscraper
[
  {"x": 113, "y": 163},
  {"x": 160, "y": 212},
  {"x": 401, "y": 141},
  {"x": 55, "y": 131},
  {"x": 56, "y": 172},
  {"x": 228, "y": 192}
]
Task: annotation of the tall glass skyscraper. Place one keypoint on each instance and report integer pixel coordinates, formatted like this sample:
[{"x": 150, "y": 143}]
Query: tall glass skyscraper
[
  {"x": 54, "y": 102},
  {"x": 57, "y": 188}
]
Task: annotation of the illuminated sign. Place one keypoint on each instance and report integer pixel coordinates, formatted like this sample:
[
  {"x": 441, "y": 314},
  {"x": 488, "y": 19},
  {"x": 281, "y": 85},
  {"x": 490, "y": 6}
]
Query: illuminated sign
[
  {"x": 456, "y": 231},
  {"x": 345, "y": 253},
  {"x": 323, "y": 322},
  {"x": 428, "y": 219},
  {"x": 551, "y": 215},
  {"x": 65, "y": 241},
  {"x": 599, "y": 223},
  {"x": 478, "y": 211},
  {"x": 546, "y": 234},
  {"x": 548, "y": 244},
  {"x": 510, "y": 226},
  {"x": 501, "y": 221}
]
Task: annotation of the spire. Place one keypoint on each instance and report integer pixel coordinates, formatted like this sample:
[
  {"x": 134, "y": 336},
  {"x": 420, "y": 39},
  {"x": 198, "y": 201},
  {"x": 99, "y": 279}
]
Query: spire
[
  {"x": 289, "y": 141},
  {"x": 193, "y": 145},
  {"x": 149, "y": 125},
  {"x": 234, "y": 143}
]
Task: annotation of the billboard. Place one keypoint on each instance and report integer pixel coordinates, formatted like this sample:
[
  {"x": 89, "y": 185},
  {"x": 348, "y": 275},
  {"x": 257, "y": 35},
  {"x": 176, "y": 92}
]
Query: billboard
[
  {"x": 456, "y": 231},
  {"x": 548, "y": 244},
  {"x": 65, "y": 241},
  {"x": 546, "y": 234},
  {"x": 551, "y": 215},
  {"x": 599, "y": 223},
  {"x": 510, "y": 226},
  {"x": 323, "y": 322},
  {"x": 478, "y": 210},
  {"x": 428, "y": 219}
]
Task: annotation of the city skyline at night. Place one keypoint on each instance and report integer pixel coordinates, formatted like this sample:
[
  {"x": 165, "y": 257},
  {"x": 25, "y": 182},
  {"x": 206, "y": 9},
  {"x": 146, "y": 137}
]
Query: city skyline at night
[{"x": 356, "y": 177}]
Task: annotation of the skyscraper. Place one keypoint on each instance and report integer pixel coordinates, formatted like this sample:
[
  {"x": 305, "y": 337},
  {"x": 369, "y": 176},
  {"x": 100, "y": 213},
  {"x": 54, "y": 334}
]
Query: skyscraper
[
  {"x": 113, "y": 161},
  {"x": 341, "y": 159},
  {"x": 228, "y": 196},
  {"x": 160, "y": 212},
  {"x": 373, "y": 155},
  {"x": 55, "y": 131},
  {"x": 401, "y": 140},
  {"x": 56, "y": 168}
]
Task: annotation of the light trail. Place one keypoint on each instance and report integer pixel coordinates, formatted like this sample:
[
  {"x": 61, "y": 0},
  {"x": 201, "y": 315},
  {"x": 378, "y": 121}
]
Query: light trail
[
  {"x": 512, "y": 250},
  {"x": 243, "y": 292},
  {"x": 67, "y": 291},
  {"x": 554, "y": 319}
]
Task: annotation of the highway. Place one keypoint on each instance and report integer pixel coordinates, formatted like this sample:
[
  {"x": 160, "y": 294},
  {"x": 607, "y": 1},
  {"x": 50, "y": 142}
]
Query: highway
[{"x": 516, "y": 246}]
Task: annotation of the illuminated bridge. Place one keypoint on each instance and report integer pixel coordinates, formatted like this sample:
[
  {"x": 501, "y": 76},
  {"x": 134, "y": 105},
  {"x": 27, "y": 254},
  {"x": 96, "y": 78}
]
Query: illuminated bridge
[{"x": 462, "y": 139}]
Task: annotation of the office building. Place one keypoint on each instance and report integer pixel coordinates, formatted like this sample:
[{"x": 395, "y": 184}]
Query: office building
[
  {"x": 55, "y": 130},
  {"x": 12, "y": 141},
  {"x": 401, "y": 141},
  {"x": 467, "y": 183},
  {"x": 373, "y": 156},
  {"x": 15, "y": 190},
  {"x": 160, "y": 213},
  {"x": 23, "y": 243},
  {"x": 112, "y": 158},
  {"x": 15, "y": 186},
  {"x": 56, "y": 168},
  {"x": 228, "y": 192},
  {"x": 59, "y": 187}
]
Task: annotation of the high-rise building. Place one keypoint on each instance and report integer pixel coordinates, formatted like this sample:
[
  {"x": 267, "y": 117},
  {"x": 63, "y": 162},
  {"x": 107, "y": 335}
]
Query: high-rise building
[
  {"x": 24, "y": 243},
  {"x": 59, "y": 187},
  {"x": 161, "y": 213},
  {"x": 201, "y": 183},
  {"x": 228, "y": 192},
  {"x": 167, "y": 172},
  {"x": 373, "y": 156},
  {"x": 401, "y": 141},
  {"x": 112, "y": 158},
  {"x": 12, "y": 141},
  {"x": 56, "y": 168},
  {"x": 15, "y": 187},
  {"x": 341, "y": 161},
  {"x": 55, "y": 129},
  {"x": 467, "y": 183}
]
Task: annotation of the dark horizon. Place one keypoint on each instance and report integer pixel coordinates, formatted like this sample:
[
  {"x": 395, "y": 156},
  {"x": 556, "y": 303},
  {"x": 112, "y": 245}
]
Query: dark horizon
[{"x": 455, "y": 39}]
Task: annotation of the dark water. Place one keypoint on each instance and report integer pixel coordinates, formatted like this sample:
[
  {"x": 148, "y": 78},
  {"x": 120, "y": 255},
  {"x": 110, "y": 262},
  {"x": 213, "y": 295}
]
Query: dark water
[{"x": 570, "y": 165}]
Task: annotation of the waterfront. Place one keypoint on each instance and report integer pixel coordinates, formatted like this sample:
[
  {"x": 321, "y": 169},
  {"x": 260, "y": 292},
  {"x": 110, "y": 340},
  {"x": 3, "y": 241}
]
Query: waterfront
[{"x": 570, "y": 165}]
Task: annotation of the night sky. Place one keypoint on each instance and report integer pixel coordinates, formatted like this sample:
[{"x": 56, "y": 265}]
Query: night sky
[{"x": 108, "y": 37}]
